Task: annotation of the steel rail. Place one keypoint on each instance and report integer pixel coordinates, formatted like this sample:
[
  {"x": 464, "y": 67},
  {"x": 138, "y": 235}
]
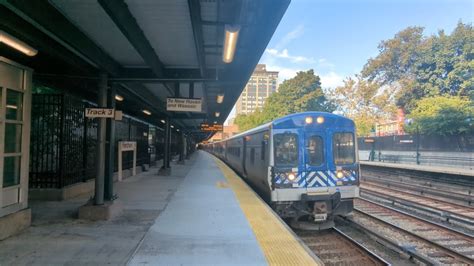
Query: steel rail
[
  {"x": 449, "y": 251},
  {"x": 449, "y": 215}
]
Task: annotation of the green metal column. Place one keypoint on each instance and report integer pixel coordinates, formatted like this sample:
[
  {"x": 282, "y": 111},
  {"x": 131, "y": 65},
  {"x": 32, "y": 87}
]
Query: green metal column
[
  {"x": 110, "y": 149},
  {"x": 101, "y": 130}
]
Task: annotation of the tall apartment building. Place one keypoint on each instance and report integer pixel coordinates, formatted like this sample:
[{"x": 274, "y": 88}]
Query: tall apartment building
[{"x": 261, "y": 84}]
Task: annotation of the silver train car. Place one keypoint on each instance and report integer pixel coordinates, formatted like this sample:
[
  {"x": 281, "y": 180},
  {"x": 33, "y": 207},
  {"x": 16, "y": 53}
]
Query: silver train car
[{"x": 304, "y": 165}]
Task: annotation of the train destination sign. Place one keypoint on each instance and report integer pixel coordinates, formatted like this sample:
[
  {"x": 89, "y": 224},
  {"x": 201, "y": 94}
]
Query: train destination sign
[
  {"x": 100, "y": 112},
  {"x": 211, "y": 127},
  {"x": 183, "y": 105}
]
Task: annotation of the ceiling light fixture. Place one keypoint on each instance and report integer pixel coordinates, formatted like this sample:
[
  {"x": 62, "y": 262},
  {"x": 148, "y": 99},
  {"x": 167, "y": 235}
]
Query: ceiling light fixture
[
  {"x": 218, "y": 114},
  {"x": 118, "y": 97},
  {"x": 17, "y": 44},
  {"x": 220, "y": 98},
  {"x": 146, "y": 112},
  {"x": 230, "y": 43}
]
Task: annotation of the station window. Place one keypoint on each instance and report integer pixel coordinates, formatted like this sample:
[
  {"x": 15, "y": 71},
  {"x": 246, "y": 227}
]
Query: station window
[
  {"x": 315, "y": 150},
  {"x": 343, "y": 148},
  {"x": 286, "y": 149}
]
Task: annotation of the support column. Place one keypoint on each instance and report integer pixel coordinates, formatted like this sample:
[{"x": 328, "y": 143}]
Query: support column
[
  {"x": 181, "y": 148},
  {"x": 166, "y": 153},
  {"x": 110, "y": 149},
  {"x": 101, "y": 132}
]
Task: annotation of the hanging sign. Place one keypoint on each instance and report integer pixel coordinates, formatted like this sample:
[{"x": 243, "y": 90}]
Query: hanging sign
[
  {"x": 183, "y": 105},
  {"x": 100, "y": 112},
  {"x": 211, "y": 127}
]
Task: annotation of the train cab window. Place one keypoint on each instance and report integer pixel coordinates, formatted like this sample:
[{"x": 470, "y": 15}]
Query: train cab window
[
  {"x": 343, "y": 148},
  {"x": 315, "y": 150},
  {"x": 286, "y": 149},
  {"x": 252, "y": 155}
]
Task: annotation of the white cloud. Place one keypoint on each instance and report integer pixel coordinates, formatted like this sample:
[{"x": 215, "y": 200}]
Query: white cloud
[
  {"x": 331, "y": 80},
  {"x": 284, "y": 54},
  {"x": 294, "y": 34}
]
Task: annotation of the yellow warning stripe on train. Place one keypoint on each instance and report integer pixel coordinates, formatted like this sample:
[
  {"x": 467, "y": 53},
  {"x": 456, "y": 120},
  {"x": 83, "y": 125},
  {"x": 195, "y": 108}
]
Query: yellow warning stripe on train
[{"x": 278, "y": 244}]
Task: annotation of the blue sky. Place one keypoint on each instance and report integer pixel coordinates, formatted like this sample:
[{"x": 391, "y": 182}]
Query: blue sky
[{"x": 336, "y": 37}]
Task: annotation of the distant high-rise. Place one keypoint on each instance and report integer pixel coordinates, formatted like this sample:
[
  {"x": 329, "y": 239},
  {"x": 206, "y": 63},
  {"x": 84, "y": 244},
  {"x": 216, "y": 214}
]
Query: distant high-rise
[{"x": 261, "y": 84}]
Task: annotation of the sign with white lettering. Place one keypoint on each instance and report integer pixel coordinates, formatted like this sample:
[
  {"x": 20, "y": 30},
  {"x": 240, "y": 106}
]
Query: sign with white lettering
[
  {"x": 127, "y": 146},
  {"x": 100, "y": 112},
  {"x": 183, "y": 105}
]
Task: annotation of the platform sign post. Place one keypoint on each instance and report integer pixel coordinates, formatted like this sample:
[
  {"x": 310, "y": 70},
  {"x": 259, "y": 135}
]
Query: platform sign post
[{"x": 127, "y": 146}]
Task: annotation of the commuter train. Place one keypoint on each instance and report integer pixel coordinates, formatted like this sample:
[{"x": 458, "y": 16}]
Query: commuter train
[{"x": 304, "y": 165}]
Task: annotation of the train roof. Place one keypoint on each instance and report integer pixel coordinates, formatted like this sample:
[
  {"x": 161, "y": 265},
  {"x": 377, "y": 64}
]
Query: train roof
[{"x": 298, "y": 120}]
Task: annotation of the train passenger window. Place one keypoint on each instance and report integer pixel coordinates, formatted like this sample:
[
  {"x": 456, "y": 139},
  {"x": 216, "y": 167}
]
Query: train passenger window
[
  {"x": 343, "y": 148},
  {"x": 315, "y": 150},
  {"x": 262, "y": 152},
  {"x": 286, "y": 149}
]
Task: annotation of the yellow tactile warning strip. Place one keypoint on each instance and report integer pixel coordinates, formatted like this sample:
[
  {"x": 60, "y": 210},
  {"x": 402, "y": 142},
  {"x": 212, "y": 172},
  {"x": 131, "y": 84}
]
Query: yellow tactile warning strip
[{"x": 278, "y": 244}]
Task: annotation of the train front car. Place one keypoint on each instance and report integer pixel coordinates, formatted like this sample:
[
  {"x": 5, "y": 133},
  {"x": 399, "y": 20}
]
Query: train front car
[{"x": 314, "y": 171}]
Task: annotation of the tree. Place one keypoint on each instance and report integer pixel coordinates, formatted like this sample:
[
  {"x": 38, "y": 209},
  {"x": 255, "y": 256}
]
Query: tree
[
  {"x": 442, "y": 115},
  {"x": 415, "y": 66},
  {"x": 364, "y": 101},
  {"x": 299, "y": 94}
]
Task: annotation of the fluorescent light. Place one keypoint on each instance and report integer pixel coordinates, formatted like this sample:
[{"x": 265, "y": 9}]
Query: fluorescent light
[
  {"x": 218, "y": 114},
  {"x": 17, "y": 44},
  {"x": 220, "y": 98},
  {"x": 163, "y": 121},
  {"x": 172, "y": 126},
  {"x": 177, "y": 129},
  {"x": 118, "y": 97},
  {"x": 146, "y": 112},
  {"x": 12, "y": 106},
  {"x": 230, "y": 42},
  {"x": 215, "y": 122}
]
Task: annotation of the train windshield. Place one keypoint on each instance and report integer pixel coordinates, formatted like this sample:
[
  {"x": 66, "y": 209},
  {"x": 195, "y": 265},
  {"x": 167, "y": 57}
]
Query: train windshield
[
  {"x": 315, "y": 151},
  {"x": 343, "y": 148},
  {"x": 286, "y": 149}
]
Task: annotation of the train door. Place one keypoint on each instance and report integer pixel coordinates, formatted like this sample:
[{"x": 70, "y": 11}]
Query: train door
[
  {"x": 316, "y": 165},
  {"x": 244, "y": 156}
]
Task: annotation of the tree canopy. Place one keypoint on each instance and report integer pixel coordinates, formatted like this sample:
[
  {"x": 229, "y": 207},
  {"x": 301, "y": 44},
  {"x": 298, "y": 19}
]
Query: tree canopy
[
  {"x": 415, "y": 66},
  {"x": 299, "y": 94},
  {"x": 442, "y": 115}
]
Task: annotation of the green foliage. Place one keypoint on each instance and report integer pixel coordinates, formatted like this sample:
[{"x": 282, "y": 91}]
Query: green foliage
[
  {"x": 443, "y": 115},
  {"x": 299, "y": 94},
  {"x": 44, "y": 89},
  {"x": 365, "y": 102},
  {"x": 416, "y": 66}
]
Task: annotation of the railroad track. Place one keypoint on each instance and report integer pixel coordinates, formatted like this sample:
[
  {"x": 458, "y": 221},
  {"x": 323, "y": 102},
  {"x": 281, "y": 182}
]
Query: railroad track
[
  {"x": 458, "y": 196},
  {"x": 425, "y": 241},
  {"x": 334, "y": 247},
  {"x": 445, "y": 210}
]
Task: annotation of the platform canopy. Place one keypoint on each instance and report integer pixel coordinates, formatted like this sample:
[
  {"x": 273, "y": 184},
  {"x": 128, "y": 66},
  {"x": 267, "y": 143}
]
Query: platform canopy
[{"x": 149, "y": 49}]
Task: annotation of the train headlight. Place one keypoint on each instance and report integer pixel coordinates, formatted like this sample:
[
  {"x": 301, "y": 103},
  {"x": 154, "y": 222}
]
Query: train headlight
[
  {"x": 320, "y": 119},
  {"x": 340, "y": 174},
  {"x": 308, "y": 120},
  {"x": 291, "y": 176}
]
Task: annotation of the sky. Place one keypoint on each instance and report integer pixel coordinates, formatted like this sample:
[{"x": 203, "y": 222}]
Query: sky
[{"x": 337, "y": 37}]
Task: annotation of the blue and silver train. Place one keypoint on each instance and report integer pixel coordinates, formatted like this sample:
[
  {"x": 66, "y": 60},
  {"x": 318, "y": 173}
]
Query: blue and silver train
[{"x": 304, "y": 165}]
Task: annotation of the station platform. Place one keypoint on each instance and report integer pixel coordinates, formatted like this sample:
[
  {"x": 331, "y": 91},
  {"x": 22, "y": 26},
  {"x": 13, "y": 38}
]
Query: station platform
[
  {"x": 423, "y": 168},
  {"x": 203, "y": 213}
]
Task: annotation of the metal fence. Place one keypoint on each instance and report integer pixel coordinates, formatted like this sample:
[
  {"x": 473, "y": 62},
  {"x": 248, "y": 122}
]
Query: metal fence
[
  {"x": 457, "y": 151},
  {"x": 63, "y": 141}
]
